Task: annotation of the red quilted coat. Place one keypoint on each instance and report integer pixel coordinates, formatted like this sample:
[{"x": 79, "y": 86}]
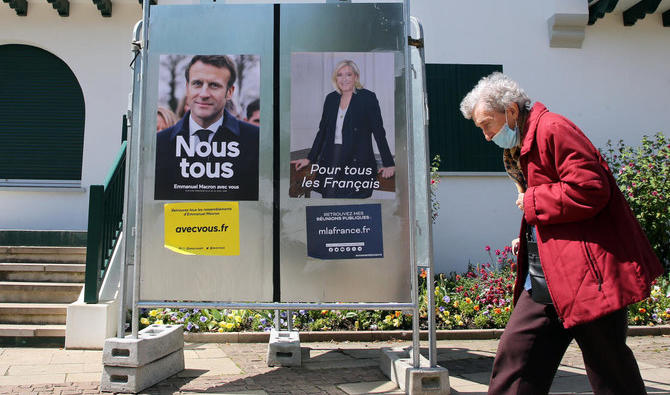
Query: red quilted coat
[{"x": 595, "y": 256}]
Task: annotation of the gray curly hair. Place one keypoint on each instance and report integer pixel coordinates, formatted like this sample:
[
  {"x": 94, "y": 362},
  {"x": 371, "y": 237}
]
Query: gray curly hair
[{"x": 497, "y": 91}]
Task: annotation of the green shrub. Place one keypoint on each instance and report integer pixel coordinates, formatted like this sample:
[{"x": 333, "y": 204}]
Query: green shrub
[{"x": 642, "y": 174}]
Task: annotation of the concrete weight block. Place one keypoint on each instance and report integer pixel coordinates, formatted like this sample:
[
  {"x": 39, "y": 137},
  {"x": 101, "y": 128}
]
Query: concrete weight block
[
  {"x": 397, "y": 365},
  {"x": 136, "y": 379},
  {"x": 284, "y": 348},
  {"x": 425, "y": 381},
  {"x": 152, "y": 343}
]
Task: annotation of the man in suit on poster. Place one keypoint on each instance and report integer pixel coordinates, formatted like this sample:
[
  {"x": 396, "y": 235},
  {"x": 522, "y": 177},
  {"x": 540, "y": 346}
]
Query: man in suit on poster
[{"x": 209, "y": 154}]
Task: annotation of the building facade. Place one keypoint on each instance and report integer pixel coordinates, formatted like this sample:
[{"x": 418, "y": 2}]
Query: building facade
[{"x": 578, "y": 58}]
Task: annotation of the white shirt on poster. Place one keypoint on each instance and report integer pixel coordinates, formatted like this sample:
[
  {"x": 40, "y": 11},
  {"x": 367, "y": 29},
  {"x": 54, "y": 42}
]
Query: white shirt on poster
[{"x": 338, "y": 124}]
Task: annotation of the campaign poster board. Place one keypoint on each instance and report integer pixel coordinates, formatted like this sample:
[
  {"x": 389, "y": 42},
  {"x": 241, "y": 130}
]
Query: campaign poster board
[
  {"x": 207, "y": 138},
  {"x": 342, "y": 125},
  {"x": 179, "y": 32},
  {"x": 373, "y": 37}
]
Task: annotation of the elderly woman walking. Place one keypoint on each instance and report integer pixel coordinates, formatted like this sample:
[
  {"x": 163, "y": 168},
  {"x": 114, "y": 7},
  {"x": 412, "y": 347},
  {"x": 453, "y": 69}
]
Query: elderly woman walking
[{"x": 582, "y": 256}]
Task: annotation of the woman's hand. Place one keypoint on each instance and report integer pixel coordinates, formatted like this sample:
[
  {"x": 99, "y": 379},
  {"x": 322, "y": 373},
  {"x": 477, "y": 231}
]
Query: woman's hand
[
  {"x": 519, "y": 201},
  {"x": 387, "y": 172},
  {"x": 515, "y": 246},
  {"x": 300, "y": 163}
]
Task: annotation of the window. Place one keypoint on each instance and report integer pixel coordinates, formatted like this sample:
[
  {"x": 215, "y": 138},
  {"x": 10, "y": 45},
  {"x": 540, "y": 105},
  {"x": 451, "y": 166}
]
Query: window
[
  {"x": 41, "y": 118},
  {"x": 459, "y": 143}
]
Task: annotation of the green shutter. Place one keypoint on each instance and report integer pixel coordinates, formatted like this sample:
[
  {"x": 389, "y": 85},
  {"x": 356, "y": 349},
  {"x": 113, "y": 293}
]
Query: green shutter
[
  {"x": 459, "y": 143},
  {"x": 41, "y": 116}
]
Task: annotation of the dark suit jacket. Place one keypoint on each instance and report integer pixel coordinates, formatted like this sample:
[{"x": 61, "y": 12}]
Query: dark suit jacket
[
  {"x": 243, "y": 185},
  {"x": 362, "y": 122}
]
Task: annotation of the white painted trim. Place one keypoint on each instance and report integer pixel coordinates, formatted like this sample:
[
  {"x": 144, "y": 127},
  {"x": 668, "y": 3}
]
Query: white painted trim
[
  {"x": 5, "y": 188},
  {"x": 37, "y": 185},
  {"x": 88, "y": 325}
]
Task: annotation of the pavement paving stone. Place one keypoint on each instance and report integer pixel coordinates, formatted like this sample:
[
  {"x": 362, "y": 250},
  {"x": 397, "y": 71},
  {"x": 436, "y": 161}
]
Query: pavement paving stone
[
  {"x": 27, "y": 370},
  {"x": 371, "y": 387},
  {"x": 211, "y": 353},
  {"x": 469, "y": 363},
  {"x": 209, "y": 367},
  {"x": 76, "y": 356},
  {"x": 16, "y": 356},
  {"x": 32, "y": 379},
  {"x": 83, "y": 377}
]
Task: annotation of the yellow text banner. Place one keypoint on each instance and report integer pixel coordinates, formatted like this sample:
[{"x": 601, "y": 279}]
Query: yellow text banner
[{"x": 207, "y": 228}]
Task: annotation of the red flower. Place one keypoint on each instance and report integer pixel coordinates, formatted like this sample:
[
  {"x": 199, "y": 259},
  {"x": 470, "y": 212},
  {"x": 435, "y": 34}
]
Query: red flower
[
  {"x": 423, "y": 273},
  {"x": 487, "y": 248}
]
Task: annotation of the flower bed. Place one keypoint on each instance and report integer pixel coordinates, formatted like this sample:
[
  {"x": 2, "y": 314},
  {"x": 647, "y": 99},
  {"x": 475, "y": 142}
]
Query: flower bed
[{"x": 478, "y": 299}]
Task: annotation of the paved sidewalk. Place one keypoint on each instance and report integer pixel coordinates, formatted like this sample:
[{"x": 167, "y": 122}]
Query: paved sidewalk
[{"x": 328, "y": 368}]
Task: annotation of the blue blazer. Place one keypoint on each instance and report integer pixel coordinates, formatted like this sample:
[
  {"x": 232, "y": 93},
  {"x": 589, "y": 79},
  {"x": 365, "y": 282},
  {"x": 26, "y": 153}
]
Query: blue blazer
[
  {"x": 362, "y": 122},
  {"x": 243, "y": 185}
]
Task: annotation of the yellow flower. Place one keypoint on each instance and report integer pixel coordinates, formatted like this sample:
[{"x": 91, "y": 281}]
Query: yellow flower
[
  {"x": 159, "y": 322},
  {"x": 144, "y": 321},
  {"x": 257, "y": 316},
  {"x": 238, "y": 319},
  {"x": 153, "y": 313},
  {"x": 445, "y": 313},
  {"x": 229, "y": 325},
  {"x": 460, "y": 323},
  {"x": 456, "y": 304},
  {"x": 221, "y": 330}
]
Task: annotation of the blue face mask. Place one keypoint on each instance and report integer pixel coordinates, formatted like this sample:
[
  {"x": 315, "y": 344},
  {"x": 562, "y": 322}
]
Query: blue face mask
[{"x": 506, "y": 137}]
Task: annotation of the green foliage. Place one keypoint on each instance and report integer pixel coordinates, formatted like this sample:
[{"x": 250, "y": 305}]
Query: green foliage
[
  {"x": 642, "y": 174},
  {"x": 434, "y": 181},
  {"x": 480, "y": 298}
]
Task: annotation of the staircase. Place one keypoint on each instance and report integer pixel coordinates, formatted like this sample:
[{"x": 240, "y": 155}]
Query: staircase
[{"x": 36, "y": 286}]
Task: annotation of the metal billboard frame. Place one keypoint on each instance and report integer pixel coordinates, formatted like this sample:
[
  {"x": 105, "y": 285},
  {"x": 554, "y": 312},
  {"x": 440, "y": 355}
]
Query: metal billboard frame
[{"x": 419, "y": 198}]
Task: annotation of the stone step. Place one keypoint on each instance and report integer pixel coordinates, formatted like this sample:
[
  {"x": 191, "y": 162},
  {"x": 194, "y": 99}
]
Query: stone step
[
  {"x": 17, "y": 330},
  {"x": 39, "y": 292},
  {"x": 33, "y": 313},
  {"x": 31, "y": 254},
  {"x": 43, "y": 272}
]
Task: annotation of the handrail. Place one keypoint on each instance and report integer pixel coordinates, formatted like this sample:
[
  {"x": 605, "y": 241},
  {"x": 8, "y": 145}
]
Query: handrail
[{"x": 105, "y": 218}]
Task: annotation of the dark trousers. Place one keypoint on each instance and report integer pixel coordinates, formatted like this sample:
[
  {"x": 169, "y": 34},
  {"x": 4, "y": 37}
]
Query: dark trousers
[{"x": 534, "y": 341}]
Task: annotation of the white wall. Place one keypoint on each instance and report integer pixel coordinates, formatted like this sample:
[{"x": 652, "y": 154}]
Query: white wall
[
  {"x": 97, "y": 50},
  {"x": 615, "y": 86}
]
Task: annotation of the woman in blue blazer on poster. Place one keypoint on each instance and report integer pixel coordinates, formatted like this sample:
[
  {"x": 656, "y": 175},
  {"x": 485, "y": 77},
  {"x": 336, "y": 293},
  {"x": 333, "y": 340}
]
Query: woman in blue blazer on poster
[{"x": 342, "y": 147}]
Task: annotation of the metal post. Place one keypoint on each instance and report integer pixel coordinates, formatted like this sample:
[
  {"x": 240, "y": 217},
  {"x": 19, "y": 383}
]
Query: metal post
[
  {"x": 289, "y": 320},
  {"x": 276, "y": 320},
  {"x": 140, "y": 186},
  {"x": 127, "y": 224},
  {"x": 432, "y": 347}
]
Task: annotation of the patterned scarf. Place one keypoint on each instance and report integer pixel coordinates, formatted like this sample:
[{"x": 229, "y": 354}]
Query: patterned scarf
[{"x": 511, "y": 158}]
